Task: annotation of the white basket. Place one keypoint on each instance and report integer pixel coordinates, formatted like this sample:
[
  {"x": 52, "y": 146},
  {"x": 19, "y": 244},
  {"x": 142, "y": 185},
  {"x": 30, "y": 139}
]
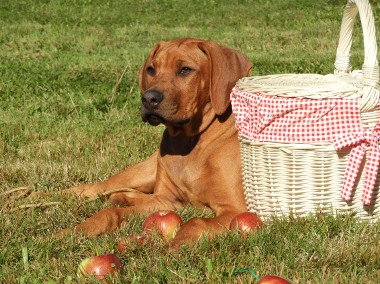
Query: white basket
[{"x": 294, "y": 178}]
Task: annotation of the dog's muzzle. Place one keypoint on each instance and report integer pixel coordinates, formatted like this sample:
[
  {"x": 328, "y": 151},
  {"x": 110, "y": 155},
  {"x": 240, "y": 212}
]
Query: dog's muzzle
[
  {"x": 152, "y": 113},
  {"x": 151, "y": 100}
]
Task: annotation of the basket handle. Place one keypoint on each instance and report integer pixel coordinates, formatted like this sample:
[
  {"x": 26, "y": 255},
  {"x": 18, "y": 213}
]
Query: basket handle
[{"x": 342, "y": 64}]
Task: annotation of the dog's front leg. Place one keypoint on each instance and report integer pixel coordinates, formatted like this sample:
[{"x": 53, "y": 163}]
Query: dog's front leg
[
  {"x": 105, "y": 221},
  {"x": 197, "y": 228},
  {"x": 109, "y": 219},
  {"x": 140, "y": 177}
]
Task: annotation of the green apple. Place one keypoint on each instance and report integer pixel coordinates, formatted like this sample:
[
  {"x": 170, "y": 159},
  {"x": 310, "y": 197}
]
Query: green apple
[
  {"x": 100, "y": 266},
  {"x": 246, "y": 222},
  {"x": 165, "y": 222}
]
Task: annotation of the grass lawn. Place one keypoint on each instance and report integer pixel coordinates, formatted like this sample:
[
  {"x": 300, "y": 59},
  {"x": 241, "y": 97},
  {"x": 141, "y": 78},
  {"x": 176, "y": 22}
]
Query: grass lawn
[{"x": 69, "y": 114}]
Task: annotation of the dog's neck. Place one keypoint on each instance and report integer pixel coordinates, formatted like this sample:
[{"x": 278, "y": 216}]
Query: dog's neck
[
  {"x": 219, "y": 127},
  {"x": 200, "y": 122}
]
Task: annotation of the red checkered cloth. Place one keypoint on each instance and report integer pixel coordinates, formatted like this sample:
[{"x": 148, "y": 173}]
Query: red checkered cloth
[
  {"x": 368, "y": 138},
  {"x": 302, "y": 120}
]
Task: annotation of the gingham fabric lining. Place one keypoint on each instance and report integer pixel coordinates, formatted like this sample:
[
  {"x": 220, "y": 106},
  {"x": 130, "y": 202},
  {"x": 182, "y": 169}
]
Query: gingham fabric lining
[
  {"x": 368, "y": 138},
  {"x": 299, "y": 120}
]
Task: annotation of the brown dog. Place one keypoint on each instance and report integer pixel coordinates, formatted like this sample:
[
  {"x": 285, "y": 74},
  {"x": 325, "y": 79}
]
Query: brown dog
[{"x": 185, "y": 85}]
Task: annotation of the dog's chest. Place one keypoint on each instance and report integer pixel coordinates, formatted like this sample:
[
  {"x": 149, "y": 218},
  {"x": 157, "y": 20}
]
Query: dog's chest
[
  {"x": 190, "y": 165},
  {"x": 183, "y": 170},
  {"x": 185, "y": 178},
  {"x": 183, "y": 167}
]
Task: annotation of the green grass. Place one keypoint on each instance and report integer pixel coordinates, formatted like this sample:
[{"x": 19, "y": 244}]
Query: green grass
[{"x": 65, "y": 120}]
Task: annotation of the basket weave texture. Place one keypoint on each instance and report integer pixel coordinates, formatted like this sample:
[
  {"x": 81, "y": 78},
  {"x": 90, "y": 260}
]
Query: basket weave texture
[{"x": 310, "y": 142}]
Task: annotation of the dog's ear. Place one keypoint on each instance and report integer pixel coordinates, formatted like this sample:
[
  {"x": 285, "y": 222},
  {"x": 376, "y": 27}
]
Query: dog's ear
[
  {"x": 226, "y": 66},
  {"x": 148, "y": 61}
]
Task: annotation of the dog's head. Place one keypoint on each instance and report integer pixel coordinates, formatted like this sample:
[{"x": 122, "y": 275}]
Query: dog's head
[{"x": 187, "y": 82}]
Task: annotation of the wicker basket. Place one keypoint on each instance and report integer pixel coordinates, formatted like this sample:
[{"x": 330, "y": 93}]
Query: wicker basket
[{"x": 287, "y": 177}]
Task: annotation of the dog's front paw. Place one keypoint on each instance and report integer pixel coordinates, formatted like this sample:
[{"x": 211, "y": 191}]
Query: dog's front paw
[
  {"x": 190, "y": 233},
  {"x": 39, "y": 195},
  {"x": 61, "y": 233},
  {"x": 89, "y": 191},
  {"x": 176, "y": 244}
]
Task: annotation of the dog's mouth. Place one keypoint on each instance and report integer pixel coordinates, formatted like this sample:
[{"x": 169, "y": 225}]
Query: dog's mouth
[{"x": 155, "y": 119}]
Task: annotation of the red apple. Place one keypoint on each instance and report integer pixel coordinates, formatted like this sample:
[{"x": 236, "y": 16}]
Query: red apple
[
  {"x": 132, "y": 241},
  {"x": 246, "y": 222},
  {"x": 100, "y": 266},
  {"x": 165, "y": 222},
  {"x": 273, "y": 279}
]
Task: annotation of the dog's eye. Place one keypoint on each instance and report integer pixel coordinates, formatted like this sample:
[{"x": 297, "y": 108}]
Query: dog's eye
[
  {"x": 184, "y": 71},
  {"x": 150, "y": 70}
]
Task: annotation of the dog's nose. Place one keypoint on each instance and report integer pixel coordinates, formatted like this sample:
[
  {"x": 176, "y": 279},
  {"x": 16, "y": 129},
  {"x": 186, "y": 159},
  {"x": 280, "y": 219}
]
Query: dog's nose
[{"x": 151, "y": 99}]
